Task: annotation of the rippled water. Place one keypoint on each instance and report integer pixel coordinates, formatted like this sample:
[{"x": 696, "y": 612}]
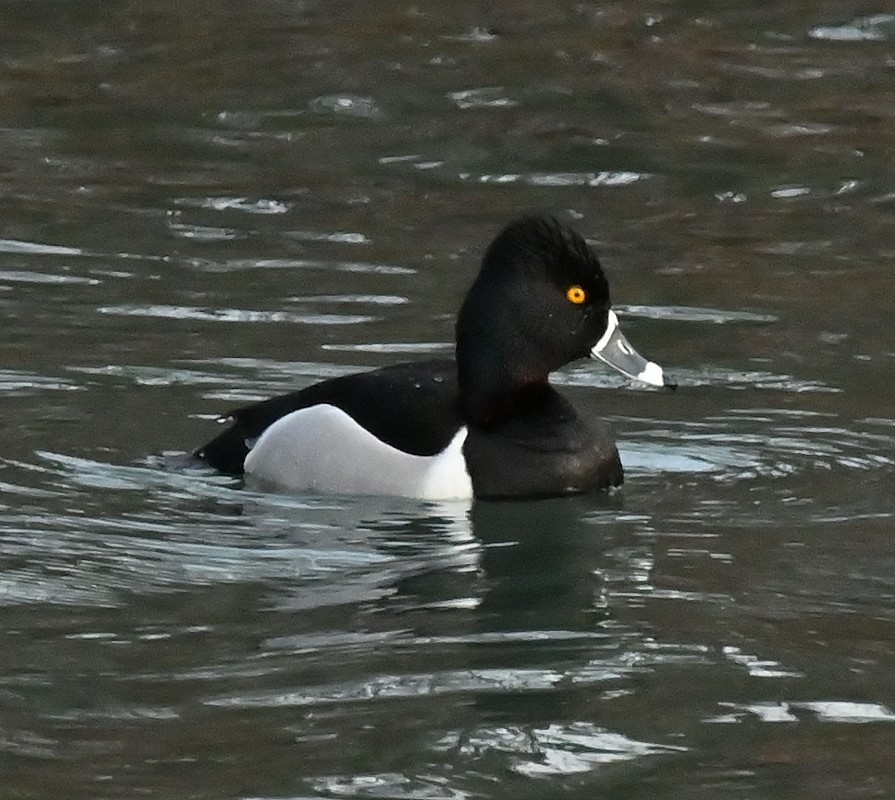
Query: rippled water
[{"x": 202, "y": 206}]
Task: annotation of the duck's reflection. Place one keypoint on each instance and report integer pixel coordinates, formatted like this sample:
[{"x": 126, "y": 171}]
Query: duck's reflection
[
  {"x": 540, "y": 559},
  {"x": 527, "y": 566}
]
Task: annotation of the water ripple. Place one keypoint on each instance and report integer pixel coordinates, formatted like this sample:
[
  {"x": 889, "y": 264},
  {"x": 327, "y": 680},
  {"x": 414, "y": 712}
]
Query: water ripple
[
  {"x": 875, "y": 28},
  {"x": 558, "y": 179},
  {"x": 484, "y": 97},
  {"x": 781, "y": 448},
  {"x": 388, "y": 785},
  {"x": 347, "y": 105},
  {"x": 19, "y": 383},
  {"x": 27, "y": 276},
  {"x": 586, "y": 375},
  {"x": 822, "y": 710},
  {"x": 398, "y": 686},
  {"x": 38, "y": 248},
  {"x": 556, "y": 749},
  {"x": 334, "y": 237},
  {"x": 208, "y": 265},
  {"x": 693, "y": 314},
  {"x": 232, "y": 315},
  {"x": 248, "y": 205},
  {"x": 392, "y": 347}
]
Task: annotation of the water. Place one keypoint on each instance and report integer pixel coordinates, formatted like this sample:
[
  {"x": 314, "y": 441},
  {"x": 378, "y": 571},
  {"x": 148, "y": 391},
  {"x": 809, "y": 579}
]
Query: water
[{"x": 204, "y": 206}]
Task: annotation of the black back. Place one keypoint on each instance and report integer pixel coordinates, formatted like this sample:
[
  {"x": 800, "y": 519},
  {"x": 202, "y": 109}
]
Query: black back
[{"x": 410, "y": 406}]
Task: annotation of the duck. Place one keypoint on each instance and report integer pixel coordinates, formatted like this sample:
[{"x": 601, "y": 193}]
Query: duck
[{"x": 486, "y": 424}]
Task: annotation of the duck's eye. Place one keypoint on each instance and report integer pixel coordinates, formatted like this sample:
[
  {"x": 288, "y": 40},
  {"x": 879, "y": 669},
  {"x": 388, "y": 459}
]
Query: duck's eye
[{"x": 576, "y": 295}]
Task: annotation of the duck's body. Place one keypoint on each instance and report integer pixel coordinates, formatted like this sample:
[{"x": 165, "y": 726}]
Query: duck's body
[
  {"x": 400, "y": 430},
  {"x": 487, "y": 424}
]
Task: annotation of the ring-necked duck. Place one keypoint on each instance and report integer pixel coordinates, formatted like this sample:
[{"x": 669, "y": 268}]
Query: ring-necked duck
[{"x": 487, "y": 424}]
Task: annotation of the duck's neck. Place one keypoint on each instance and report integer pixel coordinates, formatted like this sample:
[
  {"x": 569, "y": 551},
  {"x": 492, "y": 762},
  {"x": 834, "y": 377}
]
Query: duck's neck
[
  {"x": 499, "y": 365},
  {"x": 491, "y": 389}
]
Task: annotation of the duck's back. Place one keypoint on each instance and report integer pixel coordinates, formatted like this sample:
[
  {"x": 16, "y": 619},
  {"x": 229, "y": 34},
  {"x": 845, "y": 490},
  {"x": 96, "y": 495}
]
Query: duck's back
[{"x": 411, "y": 407}]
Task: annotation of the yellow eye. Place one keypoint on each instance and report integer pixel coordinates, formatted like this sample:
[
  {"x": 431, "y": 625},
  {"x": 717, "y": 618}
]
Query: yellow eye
[{"x": 576, "y": 295}]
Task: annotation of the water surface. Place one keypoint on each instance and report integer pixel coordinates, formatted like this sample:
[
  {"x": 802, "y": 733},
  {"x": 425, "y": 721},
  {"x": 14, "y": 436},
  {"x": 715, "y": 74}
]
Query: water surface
[{"x": 205, "y": 206}]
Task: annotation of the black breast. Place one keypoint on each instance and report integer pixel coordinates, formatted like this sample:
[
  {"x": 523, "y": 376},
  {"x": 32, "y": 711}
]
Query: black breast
[{"x": 545, "y": 448}]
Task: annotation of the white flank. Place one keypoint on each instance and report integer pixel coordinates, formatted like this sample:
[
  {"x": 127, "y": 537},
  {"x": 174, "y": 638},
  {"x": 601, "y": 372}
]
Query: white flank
[{"x": 322, "y": 449}]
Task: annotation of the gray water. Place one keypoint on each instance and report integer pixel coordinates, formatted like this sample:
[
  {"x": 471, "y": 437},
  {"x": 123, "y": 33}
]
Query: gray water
[{"x": 206, "y": 204}]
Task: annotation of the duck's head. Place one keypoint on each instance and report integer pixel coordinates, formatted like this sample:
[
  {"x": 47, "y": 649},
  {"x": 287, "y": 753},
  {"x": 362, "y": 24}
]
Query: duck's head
[{"x": 540, "y": 301}]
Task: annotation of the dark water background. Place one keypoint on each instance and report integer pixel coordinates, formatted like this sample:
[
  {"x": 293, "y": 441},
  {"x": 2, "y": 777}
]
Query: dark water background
[{"x": 203, "y": 204}]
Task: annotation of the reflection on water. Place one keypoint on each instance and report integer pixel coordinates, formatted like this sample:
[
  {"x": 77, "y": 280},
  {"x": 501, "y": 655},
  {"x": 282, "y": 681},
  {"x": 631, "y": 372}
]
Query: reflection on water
[{"x": 203, "y": 207}]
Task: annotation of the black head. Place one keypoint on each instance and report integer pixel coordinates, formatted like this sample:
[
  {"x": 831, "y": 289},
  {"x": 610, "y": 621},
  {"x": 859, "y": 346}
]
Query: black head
[{"x": 540, "y": 301}]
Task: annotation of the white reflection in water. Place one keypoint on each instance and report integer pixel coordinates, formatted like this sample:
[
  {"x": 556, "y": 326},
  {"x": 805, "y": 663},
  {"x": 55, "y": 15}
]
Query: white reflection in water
[
  {"x": 232, "y": 315},
  {"x": 398, "y": 686},
  {"x": 389, "y": 785},
  {"x": 789, "y": 192},
  {"x": 204, "y": 233},
  {"x": 874, "y": 28},
  {"x": 587, "y": 374},
  {"x": 616, "y": 666},
  {"x": 474, "y": 35},
  {"x": 336, "y": 237},
  {"x": 556, "y": 749},
  {"x": 261, "y": 206},
  {"x": 821, "y": 710},
  {"x": 346, "y": 105},
  {"x": 557, "y": 179},
  {"x": 485, "y": 97},
  {"x": 38, "y": 248},
  {"x": 391, "y": 347},
  {"x": 552, "y": 750},
  {"x": 757, "y": 667},
  {"x": 16, "y": 382},
  {"x": 210, "y": 265},
  {"x": 27, "y": 276},
  {"x": 692, "y": 314},
  {"x": 372, "y": 299}
]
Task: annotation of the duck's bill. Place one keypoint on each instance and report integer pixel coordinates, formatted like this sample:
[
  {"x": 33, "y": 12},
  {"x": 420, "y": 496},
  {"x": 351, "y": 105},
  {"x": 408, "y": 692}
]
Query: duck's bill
[{"x": 614, "y": 350}]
